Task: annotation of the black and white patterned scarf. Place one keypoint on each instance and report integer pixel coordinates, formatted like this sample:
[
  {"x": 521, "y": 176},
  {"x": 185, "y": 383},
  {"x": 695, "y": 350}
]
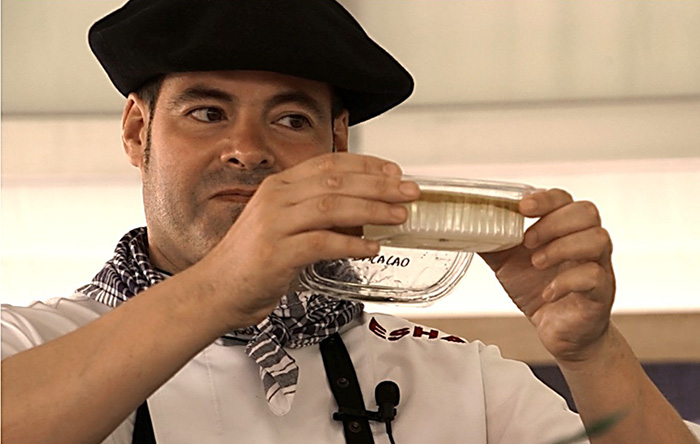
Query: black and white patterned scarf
[{"x": 300, "y": 319}]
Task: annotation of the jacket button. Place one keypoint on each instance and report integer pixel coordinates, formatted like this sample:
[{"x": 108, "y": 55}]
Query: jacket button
[{"x": 354, "y": 427}]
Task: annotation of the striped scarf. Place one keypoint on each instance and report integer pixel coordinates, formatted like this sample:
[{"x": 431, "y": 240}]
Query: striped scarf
[{"x": 301, "y": 318}]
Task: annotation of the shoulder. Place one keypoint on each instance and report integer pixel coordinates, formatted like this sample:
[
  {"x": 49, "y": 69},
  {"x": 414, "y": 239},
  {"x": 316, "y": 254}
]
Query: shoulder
[
  {"x": 389, "y": 337},
  {"x": 387, "y": 333},
  {"x": 24, "y": 327},
  {"x": 474, "y": 379},
  {"x": 394, "y": 339}
]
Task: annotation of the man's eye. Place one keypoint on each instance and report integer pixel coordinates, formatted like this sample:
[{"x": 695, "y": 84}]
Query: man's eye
[
  {"x": 294, "y": 121},
  {"x": 208, "y": 114}
]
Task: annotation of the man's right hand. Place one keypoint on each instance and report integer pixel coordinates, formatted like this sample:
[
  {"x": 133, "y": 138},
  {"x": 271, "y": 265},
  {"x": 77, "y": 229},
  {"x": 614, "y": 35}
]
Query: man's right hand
[{"x": 289, "y": 224}]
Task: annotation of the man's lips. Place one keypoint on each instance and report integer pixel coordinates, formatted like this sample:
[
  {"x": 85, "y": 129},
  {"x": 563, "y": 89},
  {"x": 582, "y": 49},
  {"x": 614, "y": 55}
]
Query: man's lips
[{"x": 241, "y": 195}]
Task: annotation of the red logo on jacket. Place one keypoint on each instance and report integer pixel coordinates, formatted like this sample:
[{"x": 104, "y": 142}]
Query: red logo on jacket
[{"x": 415, "y": 331}]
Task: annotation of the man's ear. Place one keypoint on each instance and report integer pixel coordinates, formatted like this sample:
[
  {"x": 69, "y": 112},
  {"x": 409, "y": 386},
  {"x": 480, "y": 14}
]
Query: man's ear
[
  {"x": 340, "y": 132},
  {"x": 135, "y": 129}
]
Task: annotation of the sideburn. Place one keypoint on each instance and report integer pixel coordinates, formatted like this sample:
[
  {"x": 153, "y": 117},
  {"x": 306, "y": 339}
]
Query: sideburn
[{"x": 149, "y": 132}]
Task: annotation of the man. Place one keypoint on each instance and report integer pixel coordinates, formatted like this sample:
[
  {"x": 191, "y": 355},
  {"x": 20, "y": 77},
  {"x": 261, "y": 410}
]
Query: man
[{"x": 237, "y": 116}]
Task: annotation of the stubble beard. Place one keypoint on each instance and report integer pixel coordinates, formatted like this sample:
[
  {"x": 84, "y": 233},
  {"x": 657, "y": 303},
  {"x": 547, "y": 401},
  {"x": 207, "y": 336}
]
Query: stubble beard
[{"x": 184, "y": 234}]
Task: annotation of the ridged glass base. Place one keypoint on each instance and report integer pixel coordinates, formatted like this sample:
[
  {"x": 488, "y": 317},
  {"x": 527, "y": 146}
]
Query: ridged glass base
[{"x": 443, "y": 221}]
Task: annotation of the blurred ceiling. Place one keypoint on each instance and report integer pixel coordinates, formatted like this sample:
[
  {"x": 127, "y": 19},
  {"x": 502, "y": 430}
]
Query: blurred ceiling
[{"x": 467, "y": 52}]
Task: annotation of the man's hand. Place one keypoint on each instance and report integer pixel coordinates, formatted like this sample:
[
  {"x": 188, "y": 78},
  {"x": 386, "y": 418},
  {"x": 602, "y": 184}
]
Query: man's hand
[
  {"x": 561, "y": 276},
  {"x": 290, "y": 222}
]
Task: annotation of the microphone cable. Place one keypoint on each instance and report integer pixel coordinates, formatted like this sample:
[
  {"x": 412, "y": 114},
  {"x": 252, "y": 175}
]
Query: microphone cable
[{"x": 388, "y": 432}]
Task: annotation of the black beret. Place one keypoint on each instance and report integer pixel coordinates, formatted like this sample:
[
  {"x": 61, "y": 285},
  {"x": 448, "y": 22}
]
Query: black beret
[{"x": 312, "y": 39}]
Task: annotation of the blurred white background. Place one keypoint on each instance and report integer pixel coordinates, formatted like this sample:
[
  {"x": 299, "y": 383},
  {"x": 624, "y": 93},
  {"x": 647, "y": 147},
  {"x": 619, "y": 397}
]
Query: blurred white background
[{"x": 599, "y": 98}]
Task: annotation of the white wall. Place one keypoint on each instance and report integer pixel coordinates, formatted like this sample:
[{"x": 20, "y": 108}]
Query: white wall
[
  {"x": 540, "y": 50},
  {"x": 465, "y": 51}
]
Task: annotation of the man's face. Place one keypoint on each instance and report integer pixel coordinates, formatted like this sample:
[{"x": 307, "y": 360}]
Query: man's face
[{"x": 213, "y": 138}]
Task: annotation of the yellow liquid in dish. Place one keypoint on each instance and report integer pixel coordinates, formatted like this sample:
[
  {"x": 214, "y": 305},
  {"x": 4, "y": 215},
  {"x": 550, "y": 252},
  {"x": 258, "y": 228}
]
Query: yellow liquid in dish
[{"x": 451, "y": 221}]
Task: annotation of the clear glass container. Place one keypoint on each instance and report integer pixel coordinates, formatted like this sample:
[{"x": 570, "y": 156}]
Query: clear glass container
[
  {"x": 395, "y": 275},
  {"x": 458, "y": 214},
  {"x": 424, "y": 258}
]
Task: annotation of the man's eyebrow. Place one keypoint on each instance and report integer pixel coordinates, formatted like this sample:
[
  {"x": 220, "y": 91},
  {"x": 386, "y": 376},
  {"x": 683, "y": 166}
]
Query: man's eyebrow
[
  {"x": 299, "y": 98},
  {"x": 197, "y": 93}
]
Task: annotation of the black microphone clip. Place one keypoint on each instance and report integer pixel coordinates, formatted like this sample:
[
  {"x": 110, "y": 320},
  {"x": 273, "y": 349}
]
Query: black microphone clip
[{"x": 386, "y": 394}]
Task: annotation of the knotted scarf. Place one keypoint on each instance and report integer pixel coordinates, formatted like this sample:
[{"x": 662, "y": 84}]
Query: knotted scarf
[{"x": 301, "y": 318}]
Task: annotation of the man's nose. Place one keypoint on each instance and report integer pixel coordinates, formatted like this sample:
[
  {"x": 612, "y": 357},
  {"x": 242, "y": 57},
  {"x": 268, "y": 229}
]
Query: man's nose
[{"x": 246, "y": 148}]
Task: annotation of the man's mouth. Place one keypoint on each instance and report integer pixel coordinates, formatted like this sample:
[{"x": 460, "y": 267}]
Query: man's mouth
[{"x": 239, "y": 195}]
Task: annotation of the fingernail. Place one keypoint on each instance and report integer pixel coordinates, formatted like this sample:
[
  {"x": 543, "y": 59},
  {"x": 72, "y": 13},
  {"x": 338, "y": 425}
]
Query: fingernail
[
  {"x": 391, "y": 169},
  {"x": 399, "y": 212},
  {"x": 539, "y": 259},
  {"x": 531, "y": 239},
  {"x": 548, "y": 293},
  {"x": 409, "y": 189},
  {"x": 528, "y": 205},
  {"x": 372, "y": 247}
]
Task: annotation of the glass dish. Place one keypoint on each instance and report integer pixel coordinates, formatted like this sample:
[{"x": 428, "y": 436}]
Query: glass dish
[
  {"x": 395, "y": 275},
  {"x": 458, "y": 214},
  {"x": 423, "y": 259}
]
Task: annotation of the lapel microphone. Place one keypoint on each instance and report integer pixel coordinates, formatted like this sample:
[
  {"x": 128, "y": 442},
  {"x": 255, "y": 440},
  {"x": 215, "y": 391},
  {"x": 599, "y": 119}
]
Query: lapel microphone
[{"x": 387, "y": 396}]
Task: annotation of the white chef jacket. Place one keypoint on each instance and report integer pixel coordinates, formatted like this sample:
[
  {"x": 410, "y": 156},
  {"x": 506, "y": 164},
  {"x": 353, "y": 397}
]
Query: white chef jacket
[{"x": 451, "y": 390}]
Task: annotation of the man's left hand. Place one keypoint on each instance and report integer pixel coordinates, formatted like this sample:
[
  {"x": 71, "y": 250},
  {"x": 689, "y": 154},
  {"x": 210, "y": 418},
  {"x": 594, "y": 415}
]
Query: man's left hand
[{"x": 561, "y": 276}]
